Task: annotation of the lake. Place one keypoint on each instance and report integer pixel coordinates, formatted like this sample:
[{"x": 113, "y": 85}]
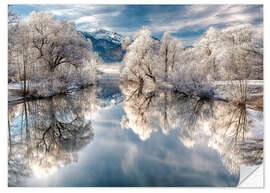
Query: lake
[{"x": 108, "y": 136}]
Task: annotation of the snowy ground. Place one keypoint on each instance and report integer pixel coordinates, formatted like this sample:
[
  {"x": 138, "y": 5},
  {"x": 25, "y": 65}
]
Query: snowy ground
[
  {"x": 250, "y": 82},
  {"x": 255, "y": 88}
]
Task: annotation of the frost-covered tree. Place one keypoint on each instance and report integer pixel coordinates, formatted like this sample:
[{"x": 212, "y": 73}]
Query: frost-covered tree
[
  {"x": 52, "y": 56},
  {"x": 24, "y": 57},
  {"x": 233, "y": 53},
  {"x": 57, "y": 41},
  {"x": 13, "y": 25},
  {"x": 244, "y": 51},
  {"x": 138, "y": 61},
  {"x": 170, "y": 50}
]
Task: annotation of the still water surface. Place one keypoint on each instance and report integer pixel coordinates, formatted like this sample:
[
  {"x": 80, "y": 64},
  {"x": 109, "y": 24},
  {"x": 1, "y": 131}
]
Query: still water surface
[{"x": 121, "y": 137}]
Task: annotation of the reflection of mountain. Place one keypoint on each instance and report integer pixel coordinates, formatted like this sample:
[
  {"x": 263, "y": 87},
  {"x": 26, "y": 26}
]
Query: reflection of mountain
[
  {"x": 109, "y": 95},
  {"x": 45, "y": 135},
  {"x": 232, "y": 130}
]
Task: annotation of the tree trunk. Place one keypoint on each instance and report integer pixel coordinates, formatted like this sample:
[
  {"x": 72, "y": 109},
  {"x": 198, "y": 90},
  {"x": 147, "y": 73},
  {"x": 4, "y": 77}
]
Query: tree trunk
[
  {"x": 24, "y": 74},
  {"x": 166, "y": 64},
  {"x": 9, "y": 136},
  {"x": 51, "y": 80}
]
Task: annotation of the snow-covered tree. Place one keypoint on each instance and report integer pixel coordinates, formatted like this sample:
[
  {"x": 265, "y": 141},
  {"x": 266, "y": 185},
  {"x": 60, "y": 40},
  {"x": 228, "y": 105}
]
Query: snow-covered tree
[
  {"x": 51, "y": 55},
  {"x": 24, "y": 56},
  {"x": 138, "y": 61},
  {"x": 170, "y": 50},
  {"x": 233, "y": 53},
  {"x": 57, "y": 41},
  {"x": 13, "y": 25}
]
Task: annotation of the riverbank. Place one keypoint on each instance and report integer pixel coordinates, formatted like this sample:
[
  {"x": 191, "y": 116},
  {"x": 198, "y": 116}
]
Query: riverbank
[
  {"x": 110, "y": 76},
  {"x": 15, "y": 94}
]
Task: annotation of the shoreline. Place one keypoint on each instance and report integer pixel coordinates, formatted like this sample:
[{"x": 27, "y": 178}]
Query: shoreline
[{"x": 14, "y": 98}]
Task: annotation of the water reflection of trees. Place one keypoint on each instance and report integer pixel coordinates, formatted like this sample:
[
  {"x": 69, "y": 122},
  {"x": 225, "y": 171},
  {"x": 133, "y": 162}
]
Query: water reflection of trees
[
  {"x": 45, "y": 135},
  {"x": 229, "y": 128},
  {"x": 237, "y": 136}
]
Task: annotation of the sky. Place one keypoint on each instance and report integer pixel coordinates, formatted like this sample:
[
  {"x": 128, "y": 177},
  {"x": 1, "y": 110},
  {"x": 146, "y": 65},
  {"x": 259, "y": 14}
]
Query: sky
[{"x": 187, "y": 22}]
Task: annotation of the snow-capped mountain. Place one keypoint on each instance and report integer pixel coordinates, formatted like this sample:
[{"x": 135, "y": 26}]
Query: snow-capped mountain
[
  {"x": 108, "y": 35},
  {"x": 107, "y": 44}
]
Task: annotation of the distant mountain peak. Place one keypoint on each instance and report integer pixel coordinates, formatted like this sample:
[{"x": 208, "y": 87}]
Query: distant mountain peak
[
  {"x": 107, "y": 35},
  {"x": 107, "y": 44}
]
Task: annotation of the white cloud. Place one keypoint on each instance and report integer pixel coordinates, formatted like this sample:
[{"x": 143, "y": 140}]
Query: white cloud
[
  {"x": 96, "y": 20},
  {"x": 188, "y": 18},
  {"x": 198, "y": 16}
]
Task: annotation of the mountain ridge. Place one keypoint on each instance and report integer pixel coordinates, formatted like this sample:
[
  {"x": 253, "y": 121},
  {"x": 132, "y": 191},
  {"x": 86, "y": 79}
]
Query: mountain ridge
[{"x": 107, "y": 44}]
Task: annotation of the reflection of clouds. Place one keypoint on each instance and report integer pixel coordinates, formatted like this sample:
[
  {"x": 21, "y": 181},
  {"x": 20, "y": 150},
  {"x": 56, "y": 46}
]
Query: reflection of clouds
[
  {"x": 43, "y": 171},
  {"x": 129, "y": 157},
  {"x": 187, "y": 141},
  {"x": 143, "y": 131},
  {"x": 116, "y": 157}
]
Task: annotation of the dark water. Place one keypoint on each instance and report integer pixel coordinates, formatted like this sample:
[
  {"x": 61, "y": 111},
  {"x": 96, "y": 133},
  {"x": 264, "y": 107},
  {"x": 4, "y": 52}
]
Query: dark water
[{"x": 96, "y": 138}]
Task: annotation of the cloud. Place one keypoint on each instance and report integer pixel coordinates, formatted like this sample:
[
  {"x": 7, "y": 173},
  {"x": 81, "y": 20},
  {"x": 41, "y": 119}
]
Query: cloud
[
  {"x": 198, "y": 18},
  {"x": 126, "y": 19},
  {"x": 195, "y": 17},
  {"x": 96, "y": 20}
]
